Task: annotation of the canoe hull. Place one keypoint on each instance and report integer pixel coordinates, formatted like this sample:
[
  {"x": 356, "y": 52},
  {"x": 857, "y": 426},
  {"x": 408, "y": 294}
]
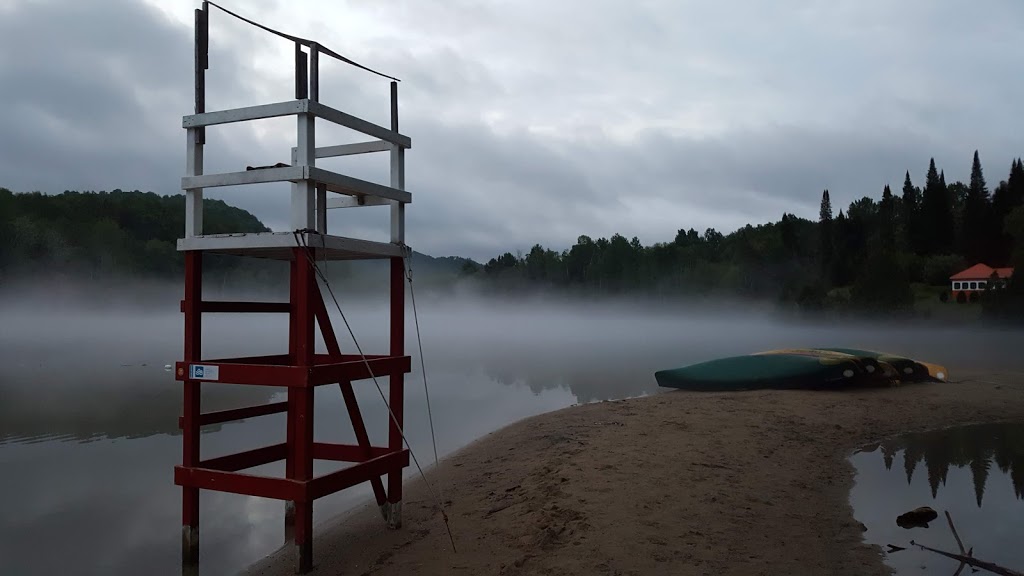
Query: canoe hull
[
  {"x": 764, "y": 371},
  {"x": 800, "y": 368}
]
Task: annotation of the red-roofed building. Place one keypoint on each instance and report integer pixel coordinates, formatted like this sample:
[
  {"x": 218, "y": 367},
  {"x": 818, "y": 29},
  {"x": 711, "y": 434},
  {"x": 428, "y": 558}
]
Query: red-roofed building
[{"x": 977, "y": 277}]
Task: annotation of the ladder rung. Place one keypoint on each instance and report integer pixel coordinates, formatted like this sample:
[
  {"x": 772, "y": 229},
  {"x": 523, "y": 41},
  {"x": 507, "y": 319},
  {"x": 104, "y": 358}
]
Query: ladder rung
[{"x": 242, "y": 307}]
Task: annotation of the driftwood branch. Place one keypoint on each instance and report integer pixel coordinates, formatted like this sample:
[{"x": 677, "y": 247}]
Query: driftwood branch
[
  {"x": 955, "y": 535},
  {"x": 952, "y": 528},
  {"x": 990, "y": 566},
  {"x": 893, "y": 548}
]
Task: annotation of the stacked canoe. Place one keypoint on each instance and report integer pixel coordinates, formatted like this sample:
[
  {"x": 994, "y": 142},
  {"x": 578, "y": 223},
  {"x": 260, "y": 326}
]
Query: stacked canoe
[{"x": 801, "y": 368}]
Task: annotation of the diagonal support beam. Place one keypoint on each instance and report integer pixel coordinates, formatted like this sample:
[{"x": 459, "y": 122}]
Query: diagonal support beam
[{"x": 358, "y": 426}]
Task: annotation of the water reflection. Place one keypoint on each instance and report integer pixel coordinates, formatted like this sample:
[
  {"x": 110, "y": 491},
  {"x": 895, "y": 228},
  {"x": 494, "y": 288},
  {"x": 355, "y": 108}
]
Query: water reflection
[
  {"x": 88, "y": 417},
  {"x": 589, "y": 379},
  {"x": 976, "y": 473},
  {"x": 125, "y": 402},
  {"x": 976, "y": 448}
]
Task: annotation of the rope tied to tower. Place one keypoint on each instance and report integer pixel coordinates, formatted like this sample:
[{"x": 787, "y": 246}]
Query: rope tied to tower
[
  {"x": 407, "y": 258},
  {"x": 300, "y": 241},
  {"x": 303, "y": 41}
]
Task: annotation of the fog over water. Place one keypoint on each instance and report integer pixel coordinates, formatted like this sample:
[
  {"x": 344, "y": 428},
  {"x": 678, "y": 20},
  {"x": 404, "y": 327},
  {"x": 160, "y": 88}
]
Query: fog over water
[{"x": 88, "y": 415}]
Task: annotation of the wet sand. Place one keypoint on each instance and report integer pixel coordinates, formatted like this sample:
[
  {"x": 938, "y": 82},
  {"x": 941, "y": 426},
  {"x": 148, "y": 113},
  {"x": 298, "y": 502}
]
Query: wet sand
[{"x": 676, "y": 483}]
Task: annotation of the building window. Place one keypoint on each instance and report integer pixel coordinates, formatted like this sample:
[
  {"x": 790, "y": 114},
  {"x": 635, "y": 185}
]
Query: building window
[
  {"x": 956, "y": 285},
  {"x": 974, "y": 285},
  {"x": 981, "y": 285}
]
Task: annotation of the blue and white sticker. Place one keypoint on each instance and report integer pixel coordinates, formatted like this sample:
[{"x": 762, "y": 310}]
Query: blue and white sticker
[{"x": 203, "y": 372}]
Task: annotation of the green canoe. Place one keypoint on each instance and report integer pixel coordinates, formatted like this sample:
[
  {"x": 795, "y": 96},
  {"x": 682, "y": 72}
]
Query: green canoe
[{"x": 777, "y": 371}]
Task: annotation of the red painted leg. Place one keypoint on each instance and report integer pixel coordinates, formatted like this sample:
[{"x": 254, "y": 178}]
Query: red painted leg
[
  {"x": 395, "y": 396},
  {"x": 191, "y": 407},
  {"x": 304, "y": 471},
  {"x": 289, "y": 506},
  {"x": 301, "y": 403}
]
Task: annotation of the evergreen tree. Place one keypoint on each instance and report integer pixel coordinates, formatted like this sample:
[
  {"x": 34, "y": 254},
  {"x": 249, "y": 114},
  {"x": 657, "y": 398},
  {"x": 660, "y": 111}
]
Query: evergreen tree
[
  {"x": 787, "y": 230},
  {"x": 842, "y": 240},
  {"x": 825, "y": 236},
  {"x": 887, "y": 218},
  {"x": 1007, "y": 195},
  {"x": 825, "y": 212},
  {"x": 861, "y": 228},
  {"x": 976, "y": 220},
  {"x": 1016, "y": 184},
  {"x": 911, "y": 215},
  {"x": 946, "y": 236},
  {"x": 1008, "y": 304},
  {"x": 936, "y": 215},
  {"x": 958, "y": 196}
]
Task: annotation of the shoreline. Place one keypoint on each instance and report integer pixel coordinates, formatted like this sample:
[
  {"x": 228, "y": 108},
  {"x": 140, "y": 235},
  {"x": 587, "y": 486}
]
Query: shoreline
[{"x": 673, "y": 482}]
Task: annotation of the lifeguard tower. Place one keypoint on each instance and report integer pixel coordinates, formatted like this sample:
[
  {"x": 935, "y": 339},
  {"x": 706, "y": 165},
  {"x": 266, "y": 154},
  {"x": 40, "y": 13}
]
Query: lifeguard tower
[{"x": 300, "y": 368}]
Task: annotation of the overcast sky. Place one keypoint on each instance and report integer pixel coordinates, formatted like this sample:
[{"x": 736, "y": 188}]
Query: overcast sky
[{"x": 532, "y": 121}]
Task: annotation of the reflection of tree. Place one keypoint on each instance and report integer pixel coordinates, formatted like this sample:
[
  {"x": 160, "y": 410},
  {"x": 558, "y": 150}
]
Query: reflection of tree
[
  {"x": 975, "y": 447},
  {"x": 888, "y": 453},
  {"x": 589, "y": 379},
  {"x": 124, "y": 404},
  {"x": 979, "y": 471}
]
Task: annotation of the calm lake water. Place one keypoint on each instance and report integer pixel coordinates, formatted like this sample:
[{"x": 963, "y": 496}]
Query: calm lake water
[
  {"x": 976, "y": 473},
  {"x": 88, "y": 415}
]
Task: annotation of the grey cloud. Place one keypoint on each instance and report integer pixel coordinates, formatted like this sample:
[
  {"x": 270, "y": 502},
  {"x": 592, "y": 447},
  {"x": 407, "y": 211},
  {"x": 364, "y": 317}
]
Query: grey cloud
[
  {"x": 71, "y": 104},
  {"x": 519, "y": 190},
  {"x": 97, "y": 106},
  {"x": 538, "y": 123}
]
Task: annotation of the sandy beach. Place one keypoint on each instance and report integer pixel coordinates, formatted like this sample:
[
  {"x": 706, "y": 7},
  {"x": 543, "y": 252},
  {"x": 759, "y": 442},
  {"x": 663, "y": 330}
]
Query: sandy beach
[{"x": 675, "y": 483}]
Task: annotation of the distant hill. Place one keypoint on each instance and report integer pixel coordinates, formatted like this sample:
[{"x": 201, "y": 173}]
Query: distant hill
[{"x": 133, "y": 233}]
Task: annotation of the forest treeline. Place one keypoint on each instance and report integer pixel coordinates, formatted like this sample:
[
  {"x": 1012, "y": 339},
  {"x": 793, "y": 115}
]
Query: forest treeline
[
  {"x": 873, "y": 255},
  {"x": 95, "y": 234},
  {"x": 134, "y": 234},
  {"x": 867, "y": 256}
]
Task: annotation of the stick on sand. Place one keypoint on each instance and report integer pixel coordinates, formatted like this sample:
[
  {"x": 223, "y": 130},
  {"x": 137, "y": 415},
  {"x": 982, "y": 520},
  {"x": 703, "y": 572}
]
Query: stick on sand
[{"x": 994, "y": 568}]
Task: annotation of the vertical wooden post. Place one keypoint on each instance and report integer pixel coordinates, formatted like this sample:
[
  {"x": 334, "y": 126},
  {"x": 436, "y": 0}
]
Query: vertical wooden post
[
  {"x": 397, "y": 174},
  {"x": 193, "y": 196},
  {"x": 191, "y": 408},
  {"x": 301, "y": 73},
  {"x": 397, "y": 289},
  {"x": 314, "y": 72},
  {"x": 300, "y": 403},
  {"x": 293, "y": 359},
  {"x": 196, "y": 137},
  {"x": 314, "y": 95},
  {"x": 321, "y": 208},
  {"x": 304, "y": 191},
  {"x": 396, "y": 396}
]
